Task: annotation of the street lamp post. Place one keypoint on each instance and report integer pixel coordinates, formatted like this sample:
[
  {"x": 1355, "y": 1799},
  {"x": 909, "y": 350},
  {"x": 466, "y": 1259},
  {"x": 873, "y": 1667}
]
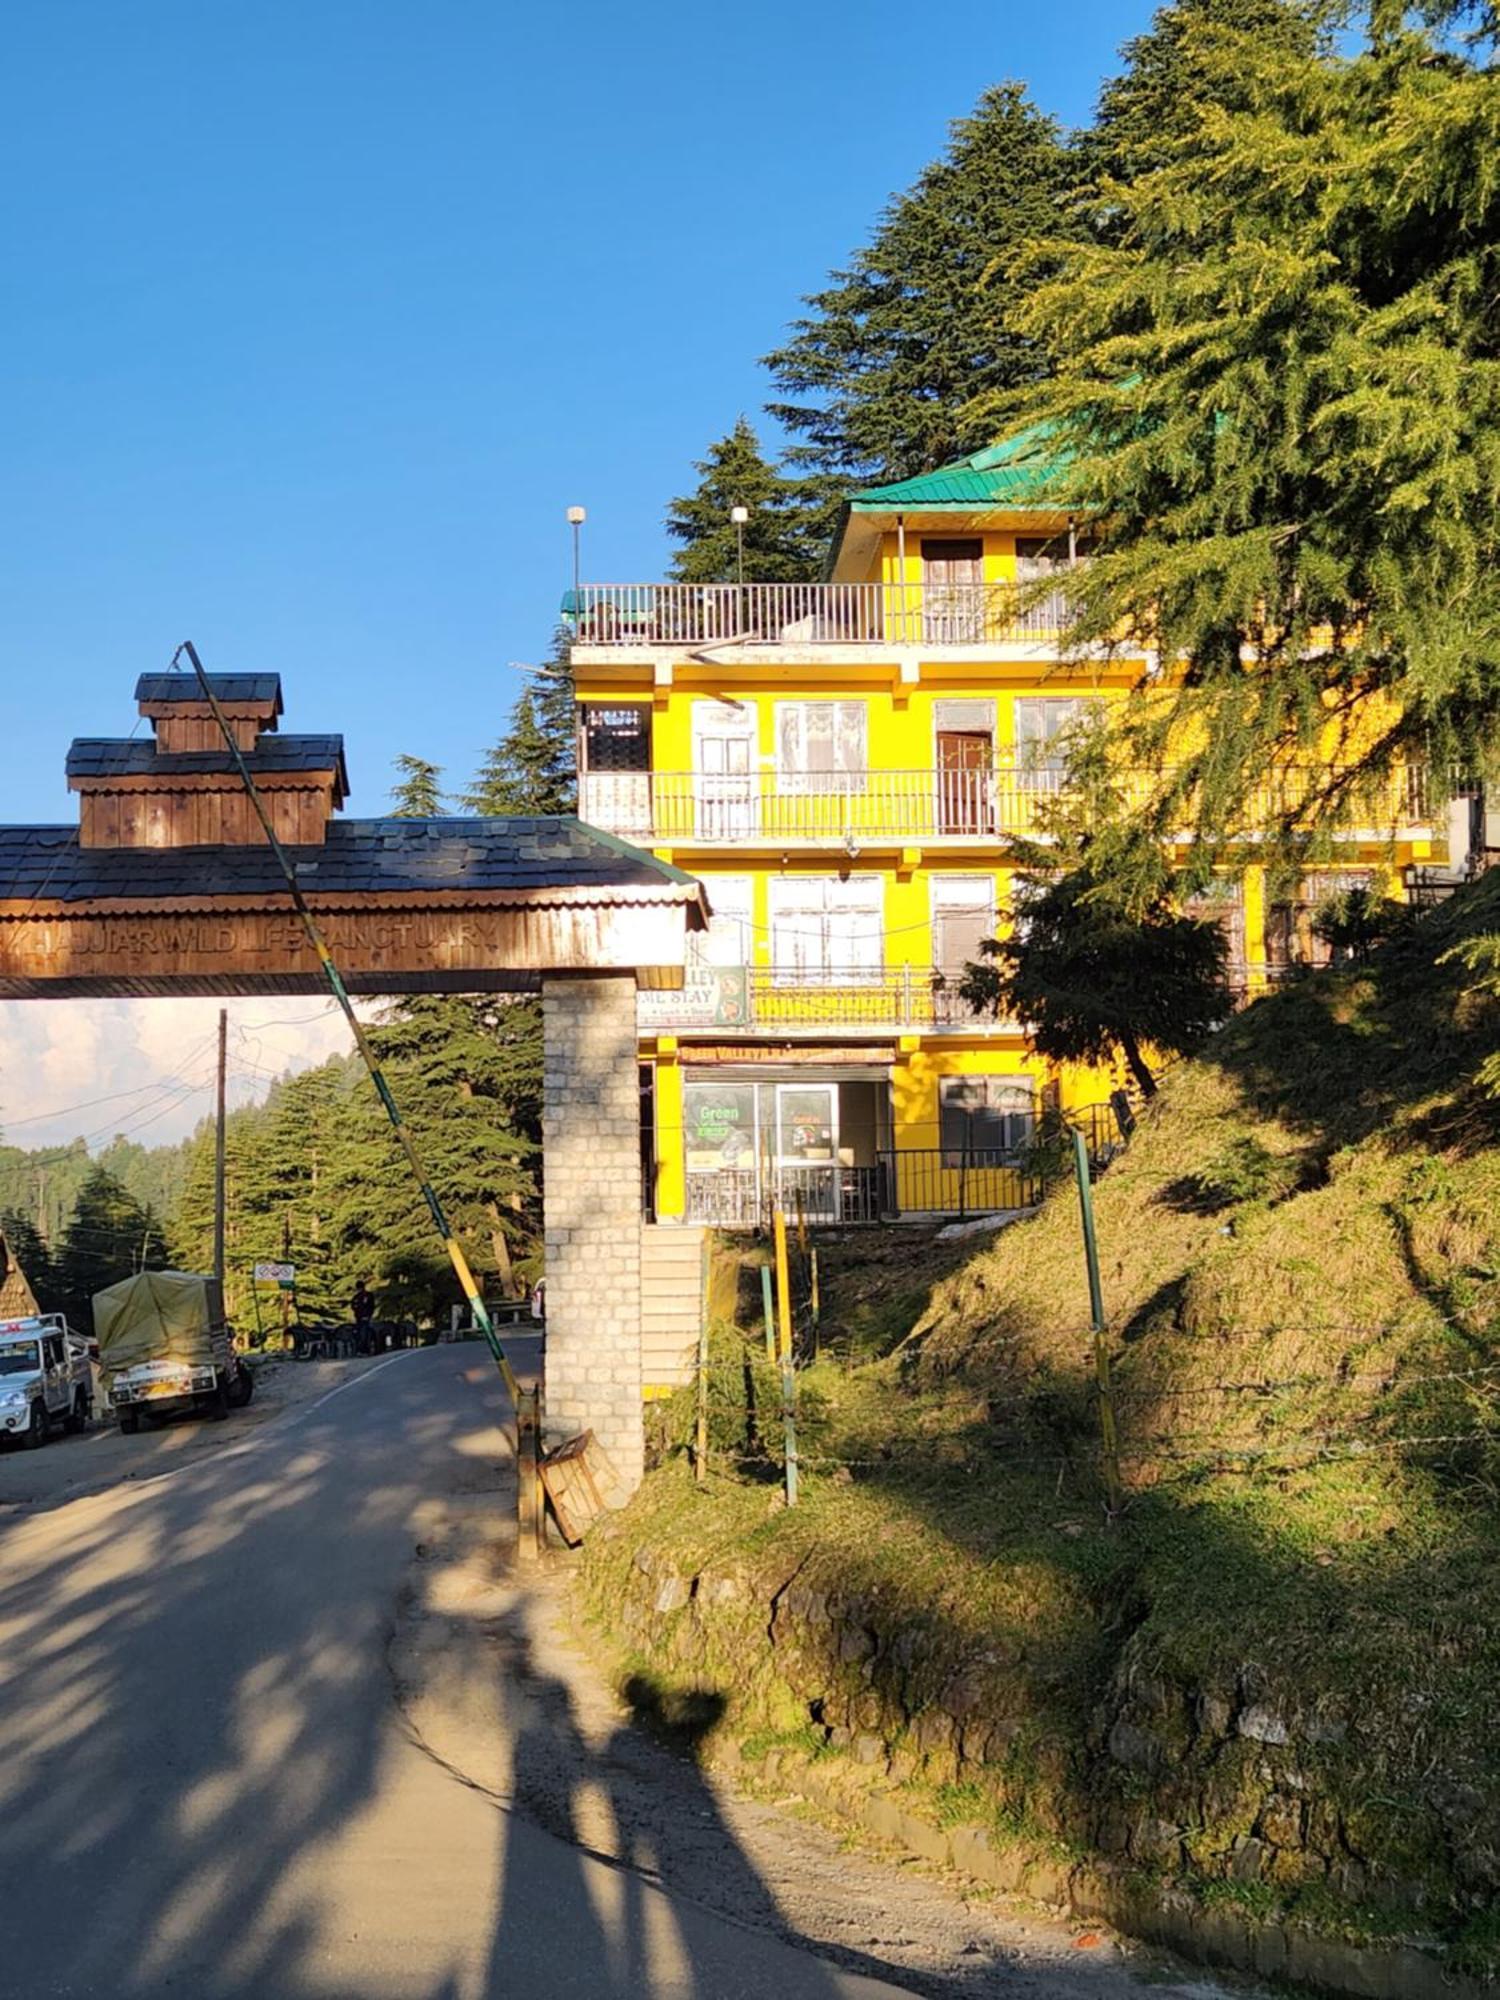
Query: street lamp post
[
  {"x": 739, "y": 516},
  {"x": 576, "y": 518}
]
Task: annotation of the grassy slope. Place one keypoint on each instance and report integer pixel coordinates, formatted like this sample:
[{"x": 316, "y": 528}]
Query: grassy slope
[{"x": 1313, "y": 1207}]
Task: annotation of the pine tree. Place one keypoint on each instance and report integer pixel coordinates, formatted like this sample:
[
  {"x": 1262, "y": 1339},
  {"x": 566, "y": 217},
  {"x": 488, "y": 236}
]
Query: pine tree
[
  {"x": 418, "y": 792},
  {"x": 110, "y": 1236},
  {"x": 532, "y": 768},
  {"x": 27, "y": 1248},
  {"x": 781, "y": 544},
  {"x": 1177, "y": 70},
  {"x": 879, "y": 378},
  {"x": 1277, "y": 383},
  {"x": 1090, "y": 980},
  {"x": 467, "y": 1074}
]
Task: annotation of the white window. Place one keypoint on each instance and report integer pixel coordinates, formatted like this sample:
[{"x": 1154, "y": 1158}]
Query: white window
[
  {"x": 728, "y": 941},
  {"x": 821, "y": 746},
  {"x": 827, "y": 931},
  {"x": 963, "y": 916},
  {"x": 1044, "y": 728}
]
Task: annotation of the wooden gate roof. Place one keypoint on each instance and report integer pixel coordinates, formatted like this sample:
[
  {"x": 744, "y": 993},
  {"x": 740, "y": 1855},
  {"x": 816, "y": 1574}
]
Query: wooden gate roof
[{"x": 135, "y": 900}]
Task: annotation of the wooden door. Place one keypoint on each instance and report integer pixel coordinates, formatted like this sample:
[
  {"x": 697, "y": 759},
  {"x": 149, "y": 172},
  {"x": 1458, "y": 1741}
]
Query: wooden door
[
  {"x": 966, "y": 789},
  {"x": 953, "y": 592}
]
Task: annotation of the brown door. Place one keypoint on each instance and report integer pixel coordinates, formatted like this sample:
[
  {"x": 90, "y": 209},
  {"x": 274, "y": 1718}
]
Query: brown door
[
  {"x": 966, "y": 787},
  {"x": 953, "y": 593}
]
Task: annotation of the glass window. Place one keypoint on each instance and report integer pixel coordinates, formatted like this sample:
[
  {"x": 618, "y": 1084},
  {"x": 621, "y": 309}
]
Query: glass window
[
  {"x": 828, "y": 931},
  {"x": 720, "y": 1126},
  {"x": 985, "y": 1119},
  {"x": 821, "y": 745},
  {"x": 615, "y": 737},
  {"x": 1044, "y": 727},
  {"x": 728, "y": 939},
  {"x": 805, "y": 1127}
]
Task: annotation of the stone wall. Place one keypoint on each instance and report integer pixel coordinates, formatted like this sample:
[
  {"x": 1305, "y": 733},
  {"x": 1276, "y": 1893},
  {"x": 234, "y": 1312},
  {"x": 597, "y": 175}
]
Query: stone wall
[
  {"x": 1221, "y": 1819},
  {"x": 592, "y": 1145}
]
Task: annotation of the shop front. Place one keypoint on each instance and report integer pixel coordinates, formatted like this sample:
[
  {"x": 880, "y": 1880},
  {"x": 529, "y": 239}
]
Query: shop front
[{"x": 811, "y": 1141}]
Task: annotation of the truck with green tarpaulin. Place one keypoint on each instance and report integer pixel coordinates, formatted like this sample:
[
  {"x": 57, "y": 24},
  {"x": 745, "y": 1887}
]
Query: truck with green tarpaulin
[{"x": 164, "y": 1346}]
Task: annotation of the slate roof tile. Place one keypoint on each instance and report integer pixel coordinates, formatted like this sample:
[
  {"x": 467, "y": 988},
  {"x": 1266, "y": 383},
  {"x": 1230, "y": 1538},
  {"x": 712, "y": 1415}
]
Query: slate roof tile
[
  {"x": 360, "y": 856},
  {"x": 118, "y": 757},
  {"x": 232, "y": 688}
]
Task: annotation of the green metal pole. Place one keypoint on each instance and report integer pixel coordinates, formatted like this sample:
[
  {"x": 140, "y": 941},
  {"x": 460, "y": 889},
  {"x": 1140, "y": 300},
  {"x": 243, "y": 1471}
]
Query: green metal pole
[
  {"x": 1108, "y": 1429},
  {"x": 768, "y": 1305}
]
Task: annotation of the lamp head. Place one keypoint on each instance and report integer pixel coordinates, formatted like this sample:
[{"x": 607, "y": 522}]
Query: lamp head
[
  {"x": 739, "y": 516},
  {"x": 577, "y": 516}
]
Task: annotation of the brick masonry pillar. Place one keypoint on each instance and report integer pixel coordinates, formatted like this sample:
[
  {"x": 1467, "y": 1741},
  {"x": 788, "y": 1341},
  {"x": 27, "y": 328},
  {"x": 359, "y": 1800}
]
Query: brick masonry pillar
[{"x": 592, "y": 1213}]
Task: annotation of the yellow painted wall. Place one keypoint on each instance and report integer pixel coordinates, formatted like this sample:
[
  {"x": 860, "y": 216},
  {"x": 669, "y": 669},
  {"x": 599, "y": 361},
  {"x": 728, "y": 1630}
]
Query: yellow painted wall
[{"x": 900, "y": 734}]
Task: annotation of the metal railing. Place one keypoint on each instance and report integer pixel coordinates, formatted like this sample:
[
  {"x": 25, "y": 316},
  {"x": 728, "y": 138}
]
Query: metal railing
[
  {"x": 833, "y": 807},
  {"x": 957, "y": 1180},
  {"x": 825, "y": 1196},
  {"x": 814, "y": 614},
  {"x": 1005, "y": 800},
  {"x": 761, "y": 999}
]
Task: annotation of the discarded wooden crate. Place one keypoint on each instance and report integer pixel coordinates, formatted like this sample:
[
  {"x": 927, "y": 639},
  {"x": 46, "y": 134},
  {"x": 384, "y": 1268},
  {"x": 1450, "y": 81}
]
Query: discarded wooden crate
[{"x": 581, "y": 1484}]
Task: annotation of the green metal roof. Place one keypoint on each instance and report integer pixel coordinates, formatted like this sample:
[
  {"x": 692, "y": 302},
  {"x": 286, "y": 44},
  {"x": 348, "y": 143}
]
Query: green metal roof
[{"x": 1026, "y": 470}]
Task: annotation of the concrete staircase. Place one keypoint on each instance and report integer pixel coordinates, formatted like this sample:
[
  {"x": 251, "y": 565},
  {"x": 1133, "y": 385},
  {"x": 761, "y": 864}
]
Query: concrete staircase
[{"x": 671, "y": 1304}]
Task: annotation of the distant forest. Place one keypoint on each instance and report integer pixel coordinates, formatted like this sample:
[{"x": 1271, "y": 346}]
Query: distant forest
[{"x": 314, "y": 1179}]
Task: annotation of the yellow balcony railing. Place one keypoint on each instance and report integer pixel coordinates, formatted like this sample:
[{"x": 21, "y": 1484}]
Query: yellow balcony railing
[
  {"x": 760, "y": 999},
  {"x": 1007, "y": 799}
]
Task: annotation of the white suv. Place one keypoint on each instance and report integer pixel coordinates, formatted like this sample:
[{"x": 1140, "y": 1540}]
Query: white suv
[{"x": 45, "y": 1378}]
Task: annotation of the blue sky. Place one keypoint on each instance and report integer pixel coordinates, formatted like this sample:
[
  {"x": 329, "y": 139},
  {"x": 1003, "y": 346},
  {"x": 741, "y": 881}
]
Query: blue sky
[{"x": 317, "y": 314}]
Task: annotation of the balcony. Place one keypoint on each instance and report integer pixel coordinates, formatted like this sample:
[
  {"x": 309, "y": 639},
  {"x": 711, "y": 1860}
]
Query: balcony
[
  {"x": 694, "y": 615},
  {"x": 755, "y": 1000},
  {"x": 819, "y": 809},
  {"x": 851, "y": 810}
]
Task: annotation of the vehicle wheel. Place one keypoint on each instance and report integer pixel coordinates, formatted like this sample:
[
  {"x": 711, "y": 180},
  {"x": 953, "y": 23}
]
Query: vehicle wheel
[
  {"x": 78, "y": 1417},
  {"x": 130, "y": 1422},
  {"x": 241, "y": 1387},
  {"x": 36, "y": 1430}
]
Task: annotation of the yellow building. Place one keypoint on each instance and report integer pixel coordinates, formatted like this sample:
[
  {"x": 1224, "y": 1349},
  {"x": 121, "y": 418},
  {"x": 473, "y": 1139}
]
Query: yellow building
[{"x": 846, "y": 766}]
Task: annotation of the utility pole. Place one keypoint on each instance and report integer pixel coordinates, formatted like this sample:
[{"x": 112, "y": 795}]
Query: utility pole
[{"x": 219, "y": 1149}]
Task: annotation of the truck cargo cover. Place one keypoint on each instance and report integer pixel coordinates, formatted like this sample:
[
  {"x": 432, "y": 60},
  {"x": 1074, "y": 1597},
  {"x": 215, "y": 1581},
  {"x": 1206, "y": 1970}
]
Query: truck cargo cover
[{"x": 157, "y": 1316}]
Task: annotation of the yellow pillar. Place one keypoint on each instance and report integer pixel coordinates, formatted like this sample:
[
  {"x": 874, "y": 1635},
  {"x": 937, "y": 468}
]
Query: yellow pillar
[
  {"x": 671, "y": 1177},
  {"x": 1254, "y": 892}
]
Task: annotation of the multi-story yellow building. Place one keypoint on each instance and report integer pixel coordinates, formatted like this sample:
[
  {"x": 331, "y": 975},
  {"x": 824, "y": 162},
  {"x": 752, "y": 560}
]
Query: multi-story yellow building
[{"x": 846, "y": 766}]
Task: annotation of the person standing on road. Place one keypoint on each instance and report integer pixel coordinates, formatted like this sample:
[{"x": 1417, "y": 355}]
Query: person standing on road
[{"x": 362, "y": 1305}]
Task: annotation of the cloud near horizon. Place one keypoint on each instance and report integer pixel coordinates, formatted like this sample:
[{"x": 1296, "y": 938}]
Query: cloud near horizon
[{"x": 89, "y": 1069}]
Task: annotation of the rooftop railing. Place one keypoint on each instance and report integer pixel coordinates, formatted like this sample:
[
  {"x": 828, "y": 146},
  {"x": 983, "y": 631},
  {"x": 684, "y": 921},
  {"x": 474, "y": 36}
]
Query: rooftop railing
[{"x": 812, "y": 614}]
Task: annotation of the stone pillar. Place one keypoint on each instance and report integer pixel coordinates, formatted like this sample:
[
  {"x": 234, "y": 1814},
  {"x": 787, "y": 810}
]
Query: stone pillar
[{"x": 592, "y": 1167}]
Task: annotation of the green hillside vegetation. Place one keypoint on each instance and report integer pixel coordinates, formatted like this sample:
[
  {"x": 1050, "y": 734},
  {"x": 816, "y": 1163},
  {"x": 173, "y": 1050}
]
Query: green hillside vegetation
[{"x": 1272, "y": 1679}]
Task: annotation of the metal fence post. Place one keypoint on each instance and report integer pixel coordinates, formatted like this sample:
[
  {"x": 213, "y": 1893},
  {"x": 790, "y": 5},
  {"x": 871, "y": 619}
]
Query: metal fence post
[
  {"x": 1108, "y": 1429},
  {"x": 705, "y": 1280},
  {"x": 784, "y": 1346}
]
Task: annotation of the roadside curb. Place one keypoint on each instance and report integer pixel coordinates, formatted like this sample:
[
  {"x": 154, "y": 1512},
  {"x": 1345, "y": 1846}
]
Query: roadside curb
[{"x": 1089, "y": 1893}]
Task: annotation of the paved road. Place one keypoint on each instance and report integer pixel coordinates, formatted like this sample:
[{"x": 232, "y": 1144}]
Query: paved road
[
  {"x": 205, "y": 1789},
  {"x": 208, "y": 1792}
]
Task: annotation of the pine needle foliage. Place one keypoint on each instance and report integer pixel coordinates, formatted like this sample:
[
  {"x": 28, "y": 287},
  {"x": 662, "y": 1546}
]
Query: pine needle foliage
[
  {"x": 781, "y": 539},
  {"x": 879, "y": 377},
  {"x": 1276, "y": 379},
  {"x": 418, "y": 790},
  {"x": 532, "y": 767}
]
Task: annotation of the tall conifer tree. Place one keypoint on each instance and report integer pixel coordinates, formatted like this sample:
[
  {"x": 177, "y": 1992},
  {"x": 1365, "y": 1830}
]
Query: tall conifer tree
[
  {"x": 878, "y": 378},
  {"x": 781, "y": 540}
]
